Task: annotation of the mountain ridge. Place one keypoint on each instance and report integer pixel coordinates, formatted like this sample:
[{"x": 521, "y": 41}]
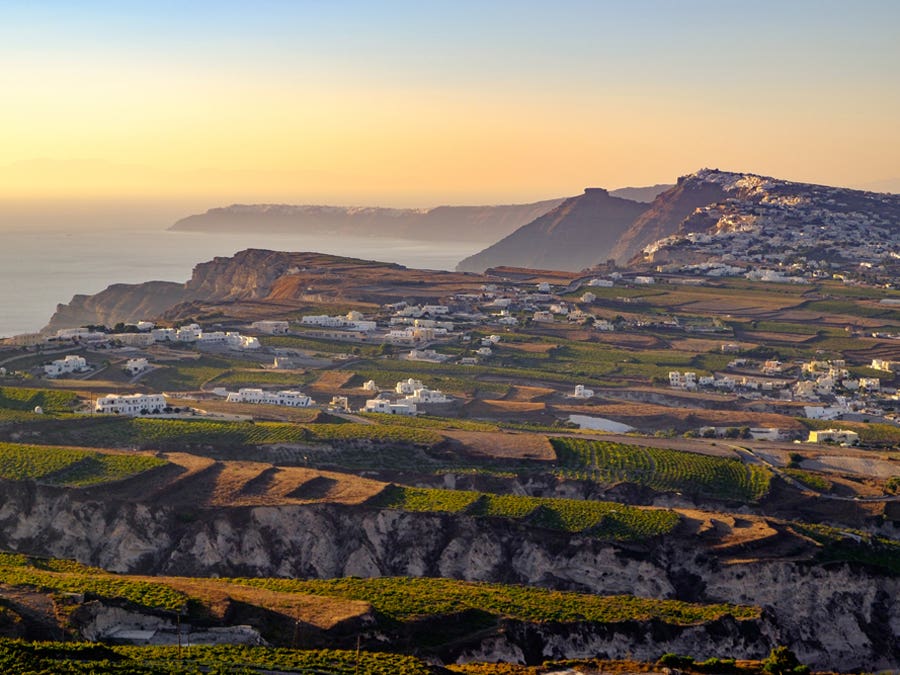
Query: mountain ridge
[{"x": 703, "y": 209}]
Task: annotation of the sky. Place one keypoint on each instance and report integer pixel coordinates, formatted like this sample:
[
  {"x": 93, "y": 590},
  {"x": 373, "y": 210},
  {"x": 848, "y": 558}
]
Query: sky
[{"x": 397, "y": 103}]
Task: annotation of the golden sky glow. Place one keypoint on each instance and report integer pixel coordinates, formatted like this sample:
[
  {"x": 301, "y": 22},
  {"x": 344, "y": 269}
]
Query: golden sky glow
[{"x": 407, "y": 121}]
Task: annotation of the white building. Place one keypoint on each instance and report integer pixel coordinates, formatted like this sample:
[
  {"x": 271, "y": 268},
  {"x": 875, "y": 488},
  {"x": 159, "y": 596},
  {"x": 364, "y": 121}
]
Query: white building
[
  {"x": 484, "y": 351},
  {"x": 271, "y": 327},
  {"x": 164, "y": 334},
  {"x": 189, "y": 333},
  {"x": 543, "y": 316},
  {"x": 581, "y": 392},
  {"x": 378, "y": 405},
  {"x": 842, "y": 436},
  {"x": 543, "y": 287},
  {"x": 72, "y": 333},
  {"x": 408, "y": 386},
  {"x": 70, "y": 364},
  {"x": 135, "y": 366},
  {"x": 686, "y": 380},
  {"x": 370, "y": 386},
  {"x": 870, "y": 383},
  {"x": 588, "y": 297},
  {"x": 131, "y": 404},
  {"x": 134, "y": 339},
  {"x": 601, "y": 283},
  {"x": 644, "y": 281},
  {"x": 287, "y": 398},
  {"x": 887, "y": 366},
  {"x": 238, "y": 341},
  {"x": 424, "y": 395},
  {"x": 428, "y": 355}
]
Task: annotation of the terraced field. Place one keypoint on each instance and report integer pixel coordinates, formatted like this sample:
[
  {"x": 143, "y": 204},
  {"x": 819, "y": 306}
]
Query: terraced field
[
  {"x": 73, "y": 467},
  {"x": 405, "y": 598},
  {"x": 662, "y": 469},
  {"x": 121, "y": 432},
  {"x": 53, "y": 658},
  {"x": 26, "y": 399},
  {"x": 606, "y": 520}
]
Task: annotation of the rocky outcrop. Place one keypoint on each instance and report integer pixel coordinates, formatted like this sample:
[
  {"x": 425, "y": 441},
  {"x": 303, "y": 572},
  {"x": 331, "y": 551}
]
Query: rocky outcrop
[
  {"x": 119, "y": 302},
  {"x": 282, "y": 278},
  {"x": 576, "y": 234},
  {"x": 519, "y": 642},
  {"x": 839, "y": 616}
]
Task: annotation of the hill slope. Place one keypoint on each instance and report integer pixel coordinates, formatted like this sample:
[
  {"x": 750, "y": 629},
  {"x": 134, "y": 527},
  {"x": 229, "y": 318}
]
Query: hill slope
[
  {"x": 576, "y": 234},
  {"x": 443, "y": 223},
  {"x": 707, "y": 215}
]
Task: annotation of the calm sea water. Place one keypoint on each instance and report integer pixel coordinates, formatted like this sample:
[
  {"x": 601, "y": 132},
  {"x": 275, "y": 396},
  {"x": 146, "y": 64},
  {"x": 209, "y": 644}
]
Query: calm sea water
[{"x": 42, "y": 267}]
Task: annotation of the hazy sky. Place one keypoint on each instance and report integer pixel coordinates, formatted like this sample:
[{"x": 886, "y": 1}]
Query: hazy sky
[{"x": 425, "y": 102}]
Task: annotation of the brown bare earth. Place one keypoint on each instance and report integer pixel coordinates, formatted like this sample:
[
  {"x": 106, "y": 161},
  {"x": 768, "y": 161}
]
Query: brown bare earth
[
  {"x": 259, "y": 412},
  {"x": 219, "y": 596},
  {"x": 503, "y": 445},
  {"x": 700, "y": 345},
  {"x": 530, "y": 347},
  {"x": 649, "y": 417},
  {"x": 528, "y": 394},
  {"x": 205, "y": 482},
  {"x": 332, "y": 380},
  {"x": 760, "y": 336}
]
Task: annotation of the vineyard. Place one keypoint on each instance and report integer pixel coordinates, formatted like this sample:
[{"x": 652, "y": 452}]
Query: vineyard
[
  {"x": 607, "y": 520},
  {"x": 69, "y": 466},
  {"x": 662, "y": 469},
  {"x": 406, "y": 598},
  {"x": 21, "y": 398},
  {"x": 54, "y": 658},
  {"x": 122, "y": 432},
  {"x": 65, "y": 576}
]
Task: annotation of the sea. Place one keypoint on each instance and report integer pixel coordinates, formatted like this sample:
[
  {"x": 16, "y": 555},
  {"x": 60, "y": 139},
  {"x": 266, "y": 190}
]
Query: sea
[{"x": 42, "y": 267}]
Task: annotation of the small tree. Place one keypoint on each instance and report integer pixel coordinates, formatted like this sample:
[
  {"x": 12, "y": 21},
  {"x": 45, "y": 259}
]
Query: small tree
[{"x": 782, "y": 661}]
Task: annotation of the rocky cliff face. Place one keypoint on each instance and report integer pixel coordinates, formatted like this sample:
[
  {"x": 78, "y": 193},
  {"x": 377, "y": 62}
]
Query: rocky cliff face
[
  {"x": 839, "y": 616},
  {"x": 254, "y": 274},
  {"x": 119, "y": 302}
]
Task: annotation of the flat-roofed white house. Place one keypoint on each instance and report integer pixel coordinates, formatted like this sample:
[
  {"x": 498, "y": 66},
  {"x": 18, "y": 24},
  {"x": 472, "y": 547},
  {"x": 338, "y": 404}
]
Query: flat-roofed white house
[
  {"x": 379, "y": 405},
  {"x": 70, "y": 364},
  {"x": 135, "y": 366},
  {"x": 844, "y": 436},
  {"x": 425, "y": 395},
  {"x": 271, "y": 327},
  {"x": 134, "y": 339},
  {"x": 408, "y": 386},
  {"x": 287, "y": 397},
  {"x": 581, "y": 392},
  {"x": 131, "y": 404}
]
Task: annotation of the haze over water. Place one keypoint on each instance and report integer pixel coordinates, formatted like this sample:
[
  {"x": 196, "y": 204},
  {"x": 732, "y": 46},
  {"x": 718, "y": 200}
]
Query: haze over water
[{"x": 44, "y": 267}]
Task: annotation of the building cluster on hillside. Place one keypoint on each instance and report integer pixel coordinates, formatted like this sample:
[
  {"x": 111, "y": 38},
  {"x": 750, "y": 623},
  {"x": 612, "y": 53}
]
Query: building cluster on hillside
[
  {"x": 405, "y": 399},
  {"x": 353, "y": 320},
  {"x": 194, "y": 334},
  {"x": 148, "y": 334},
  {"x": 770, "y": 229}
]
